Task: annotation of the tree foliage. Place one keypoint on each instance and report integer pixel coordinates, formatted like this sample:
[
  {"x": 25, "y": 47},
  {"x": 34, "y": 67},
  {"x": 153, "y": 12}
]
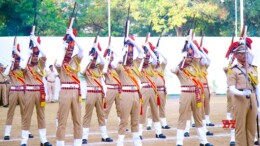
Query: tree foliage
[{"x": 170, "y": 17}]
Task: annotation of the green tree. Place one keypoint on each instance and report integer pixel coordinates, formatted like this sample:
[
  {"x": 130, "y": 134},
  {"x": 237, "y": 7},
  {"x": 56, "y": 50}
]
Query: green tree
[{"x": 173, "y": 17}]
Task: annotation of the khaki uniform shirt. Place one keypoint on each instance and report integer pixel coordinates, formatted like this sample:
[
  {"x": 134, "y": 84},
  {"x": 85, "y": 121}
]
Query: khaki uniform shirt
[
  {"x": 37, "y": 70},
  {"x": 96, "y": 73},
  {"x": 238, "y": 79},
  {"x": 149, "y": 72},
  {"x": 64, "y": 77},
  {"x": 184, "y": 80},
  {"x": 108, "y": 77},
  {"x": 158, "y": 80},
  {"x": 123, "y": 76},
  {"x": 13, "y": 81},
  {"x": 2, "y": 77}
]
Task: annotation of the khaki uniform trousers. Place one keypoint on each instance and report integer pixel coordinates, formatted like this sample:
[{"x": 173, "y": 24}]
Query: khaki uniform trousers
[
  {"x": 112, "y": 95},
  {"x": 32, "y": 98},
  {"x": 188, "y": 102},
  {"x": 245, "y": 119},
  {"x": 129, "y": 106},
  {"x": 7, "y": 92},
  {"x": 3, "y": 94},
  {"x": 15, "y": 97},
  {"x": 51, "y": 91},
  {"x": 206, "y": 101},
  {"x": 162, "y": 113},
  {"x": 94, "y": 100},
  {"x": 69, "y": 100},
  {"x": 229, "y": 102},
  {"x": 149, "y": 98}
]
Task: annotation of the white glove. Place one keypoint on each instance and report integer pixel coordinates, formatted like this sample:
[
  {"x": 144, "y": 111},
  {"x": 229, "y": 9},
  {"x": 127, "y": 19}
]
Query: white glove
[
  {"x": 235, "y": 91},
  {"x": 188, "y": 38},
  {"x": 258, "y": 112},
  {"x": 58, "y": 65},
  {"x": 131, "y": 41},
  {"x": 184, "y": 54},
  {"x": 69, "y": 31},
  {"x": 111, "y": 48},
  {"x": 95, "y": 45},
  {"x": 33, "y": 38},
  {"x": 147, "y": 46},
  {"x": 247, "y": 92}
]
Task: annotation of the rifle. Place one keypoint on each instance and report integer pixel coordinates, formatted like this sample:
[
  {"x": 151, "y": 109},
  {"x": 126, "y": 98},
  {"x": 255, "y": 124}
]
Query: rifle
[
  {"x": 232, "y": 57},
  {"x": 186, "y": 47},
  {"x": 243, "y": 36},
  {"x": 71, "y": 21},
  {"x": 93, "y": 51},
  {"x": 147, "y": 37},
  {"x": 14, "y": 45},
  {"x": 202, "y": 38},
  {"x": 127, "y": 26},
  {"x": 31, "y": 45},
  {"x": 108, "y": 56},
  {"x": 157, "y": 45},
  {"x": 158, "y": 41}
]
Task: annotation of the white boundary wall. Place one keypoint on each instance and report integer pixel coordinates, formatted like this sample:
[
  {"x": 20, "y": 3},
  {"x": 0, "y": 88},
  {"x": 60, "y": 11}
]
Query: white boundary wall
[{"x": 170, "y": 46}]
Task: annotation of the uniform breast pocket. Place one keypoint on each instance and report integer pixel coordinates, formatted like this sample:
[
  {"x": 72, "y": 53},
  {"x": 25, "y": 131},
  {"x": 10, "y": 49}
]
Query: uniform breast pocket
[{"x": 241, "y": 78}]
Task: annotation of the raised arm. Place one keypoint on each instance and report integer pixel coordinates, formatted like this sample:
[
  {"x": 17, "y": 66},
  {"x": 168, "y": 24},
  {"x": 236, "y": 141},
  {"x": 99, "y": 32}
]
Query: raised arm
[
  {"x": 164, "y": 59},
  {"x": 33, "y": 38},
  {"x": 151, "y": 52},
  {"x": 198, "y": 53},
  {"x": 139, "y": 49},
  {"x": 80, "y": 52}
]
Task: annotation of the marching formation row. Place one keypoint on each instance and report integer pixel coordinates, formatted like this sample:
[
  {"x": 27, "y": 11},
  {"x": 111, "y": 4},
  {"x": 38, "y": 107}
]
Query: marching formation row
[{"x": 133, "y": 84}]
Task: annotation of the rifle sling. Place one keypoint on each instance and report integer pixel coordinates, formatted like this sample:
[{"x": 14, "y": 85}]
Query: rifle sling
[{"x": 245, "y": 76}]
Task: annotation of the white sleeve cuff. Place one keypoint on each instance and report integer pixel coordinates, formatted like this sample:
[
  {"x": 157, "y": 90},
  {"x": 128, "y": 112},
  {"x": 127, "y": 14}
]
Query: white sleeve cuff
[
  {"x": 234, "y": 91},
  {"x": 257, "y": 92}
]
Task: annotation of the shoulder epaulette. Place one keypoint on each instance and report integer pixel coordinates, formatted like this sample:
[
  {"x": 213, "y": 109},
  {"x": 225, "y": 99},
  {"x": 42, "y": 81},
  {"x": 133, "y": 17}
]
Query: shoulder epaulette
[{"x": 234, "y": 66}]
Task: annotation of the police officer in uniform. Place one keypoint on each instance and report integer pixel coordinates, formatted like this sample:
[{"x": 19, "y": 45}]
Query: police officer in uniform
[
  {"x": 201, "y": 64},
  {"x": 70, "y": 94},
  {"x": 3, "y": 81},
  {"x": 95, "y": 94},
  {"x": 34, "y": 94},
  {"x": 130, "y": 100},
  {"x": 16, "y": 93},
  {"x": 190, "y": 98},
  {"x": 113, "y": 84},
  {"x": 245, "y": 93},
  {"x": 230, "y": 108},
  {"x": 149, "y": 91}
]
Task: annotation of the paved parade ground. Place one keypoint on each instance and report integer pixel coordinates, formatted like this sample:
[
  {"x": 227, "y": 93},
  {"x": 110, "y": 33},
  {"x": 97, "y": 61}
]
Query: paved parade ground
[{"x": 218, "y": 112}]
